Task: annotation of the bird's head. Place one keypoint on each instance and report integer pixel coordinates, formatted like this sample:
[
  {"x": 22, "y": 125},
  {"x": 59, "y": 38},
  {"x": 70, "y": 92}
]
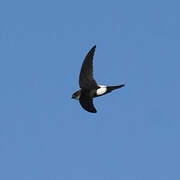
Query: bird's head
[{"x": 76, "y": 95}]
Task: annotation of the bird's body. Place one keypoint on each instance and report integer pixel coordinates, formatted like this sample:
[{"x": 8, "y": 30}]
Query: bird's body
[{"x": 89, "y": 87}]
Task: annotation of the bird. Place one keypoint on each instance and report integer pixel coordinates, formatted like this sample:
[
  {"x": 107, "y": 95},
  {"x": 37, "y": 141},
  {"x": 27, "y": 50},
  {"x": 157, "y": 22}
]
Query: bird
[{"x": 89, "y": 88}]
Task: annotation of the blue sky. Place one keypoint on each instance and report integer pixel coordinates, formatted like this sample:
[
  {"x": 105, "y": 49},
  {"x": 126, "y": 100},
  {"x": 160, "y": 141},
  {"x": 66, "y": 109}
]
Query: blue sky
[{"x": 46, "y": 135}]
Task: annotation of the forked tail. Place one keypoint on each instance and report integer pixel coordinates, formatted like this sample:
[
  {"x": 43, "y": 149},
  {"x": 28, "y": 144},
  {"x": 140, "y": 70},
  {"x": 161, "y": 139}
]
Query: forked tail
[{"x": 110, "y": 88}]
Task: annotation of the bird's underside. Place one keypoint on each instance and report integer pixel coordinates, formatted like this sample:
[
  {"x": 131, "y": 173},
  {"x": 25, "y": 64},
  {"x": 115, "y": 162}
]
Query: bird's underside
[{"x": 89, "y": 87}]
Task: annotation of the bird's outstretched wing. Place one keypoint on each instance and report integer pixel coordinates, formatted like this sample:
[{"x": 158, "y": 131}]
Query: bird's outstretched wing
[
  {"x": 86, "y": 79},
  {"x": 87, "y": 103}
]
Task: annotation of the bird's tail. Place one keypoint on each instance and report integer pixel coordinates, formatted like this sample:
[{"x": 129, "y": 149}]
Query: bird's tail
[{"x": 110, "y": 88}]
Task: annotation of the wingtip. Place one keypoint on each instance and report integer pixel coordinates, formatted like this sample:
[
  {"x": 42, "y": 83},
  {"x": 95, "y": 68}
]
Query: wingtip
[
  {"x": 94, "y": 47},
  {"x": 93, "y": 111},
  {"x": 92, "y": 50}
]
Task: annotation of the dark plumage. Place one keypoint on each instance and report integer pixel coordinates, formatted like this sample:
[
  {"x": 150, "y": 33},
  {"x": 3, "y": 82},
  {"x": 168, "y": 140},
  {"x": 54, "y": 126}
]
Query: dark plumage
[{"x": 89, "y": 87}]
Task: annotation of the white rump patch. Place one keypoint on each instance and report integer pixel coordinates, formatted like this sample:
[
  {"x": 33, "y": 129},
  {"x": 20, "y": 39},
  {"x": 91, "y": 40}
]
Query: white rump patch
[{"x": 101, "y": 90}]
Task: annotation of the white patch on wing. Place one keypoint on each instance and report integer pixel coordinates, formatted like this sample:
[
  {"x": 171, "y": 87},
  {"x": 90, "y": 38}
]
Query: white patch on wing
[{"x": 101, "y": 90}]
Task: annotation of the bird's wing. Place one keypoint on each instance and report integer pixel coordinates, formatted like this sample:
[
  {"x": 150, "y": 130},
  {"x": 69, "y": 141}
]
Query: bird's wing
[
  {"x": 86, "y": 79},
  {"x": 87, "y": 103}
]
